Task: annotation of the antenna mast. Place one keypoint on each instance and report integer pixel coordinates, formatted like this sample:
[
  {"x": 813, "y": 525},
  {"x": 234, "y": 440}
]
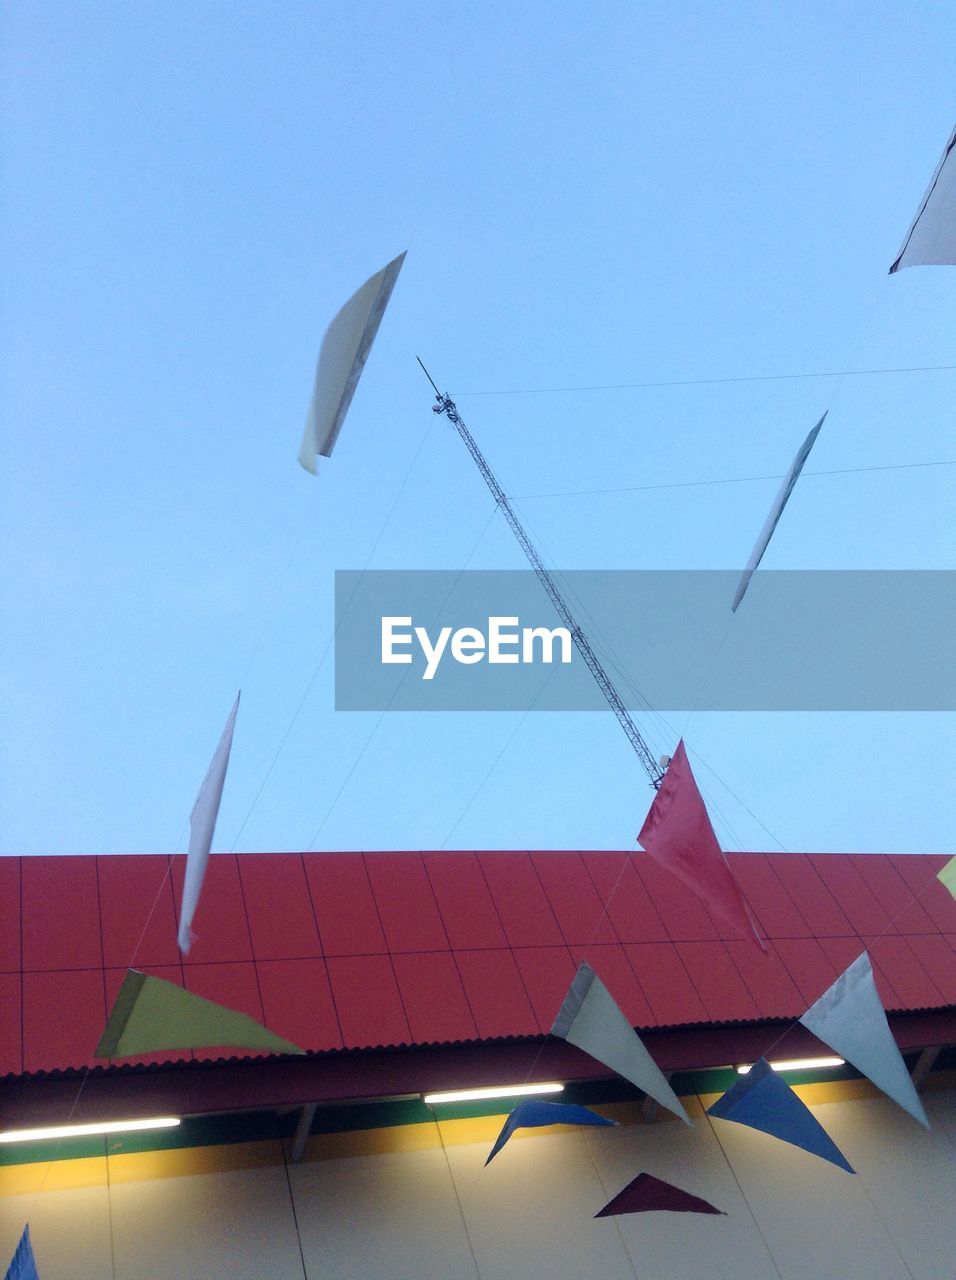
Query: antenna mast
[{"x": 444, "y": 404}]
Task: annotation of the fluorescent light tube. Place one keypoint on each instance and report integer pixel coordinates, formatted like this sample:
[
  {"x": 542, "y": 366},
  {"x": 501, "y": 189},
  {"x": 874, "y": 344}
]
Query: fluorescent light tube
[
  {"x": 87, "y": 1130},
  {"x": 798, "y": 1064},
  {"x": 498, "y": 1091}
]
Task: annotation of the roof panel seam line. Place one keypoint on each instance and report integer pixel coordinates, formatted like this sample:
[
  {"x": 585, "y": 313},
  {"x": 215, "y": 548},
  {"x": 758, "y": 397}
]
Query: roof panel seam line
[
  {"x": 509, "y": 945},
  {"x": 388, "y": 953},
  {"x": 451, "y": 950},
  {"x": 322, "y": 955}
]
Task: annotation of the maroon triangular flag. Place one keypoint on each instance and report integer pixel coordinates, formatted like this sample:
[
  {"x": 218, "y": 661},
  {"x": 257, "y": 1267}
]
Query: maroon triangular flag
[
  {"x": 677, "y": 834},
  {"x": 648, "y": 1193}
]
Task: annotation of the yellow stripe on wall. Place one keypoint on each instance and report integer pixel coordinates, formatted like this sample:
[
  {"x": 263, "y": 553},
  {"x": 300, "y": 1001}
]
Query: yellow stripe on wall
[{"x": 62, "y": 1175}]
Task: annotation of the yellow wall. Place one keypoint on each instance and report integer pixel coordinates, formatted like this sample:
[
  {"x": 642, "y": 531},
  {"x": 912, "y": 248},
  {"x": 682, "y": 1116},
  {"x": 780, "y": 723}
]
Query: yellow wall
[{"x": 416, "y": 1203}]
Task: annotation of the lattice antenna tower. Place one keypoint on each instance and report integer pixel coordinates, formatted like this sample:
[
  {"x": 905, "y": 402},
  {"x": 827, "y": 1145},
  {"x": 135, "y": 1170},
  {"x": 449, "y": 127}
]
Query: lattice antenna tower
[{"x": 444, "y": 404}]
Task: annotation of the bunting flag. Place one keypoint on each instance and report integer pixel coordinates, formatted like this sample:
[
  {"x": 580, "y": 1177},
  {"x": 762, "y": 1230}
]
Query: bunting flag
[
  {"x": 531, "y": 1113},
  {"x": 948, "y": 876},
  {"x": 776, "y": 511},
  {"x": 23, "y": 1265},
  {"x": 677, "y": 834},
  {"x": 931, "y": 240},
  {"x": 202, "y": 825},
  {"x": 342, "y": 357},
  {"x": 590, "y": 1019},
  {"x": 849, "y": 1017},
  {"x": 151, "y": 1014},
  {"x": 646, "y": 1193},
  {"x": 762, "y": 1100}
]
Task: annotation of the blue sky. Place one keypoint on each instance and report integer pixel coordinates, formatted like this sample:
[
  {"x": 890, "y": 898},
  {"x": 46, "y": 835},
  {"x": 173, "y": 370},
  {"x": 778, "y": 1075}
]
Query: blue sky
[{"x": 590, "y": 196}]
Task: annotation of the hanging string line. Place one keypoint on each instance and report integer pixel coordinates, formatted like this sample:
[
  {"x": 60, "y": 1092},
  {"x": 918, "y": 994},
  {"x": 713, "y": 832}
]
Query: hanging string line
[
  {"x": 711, "y": 382},
  {"x": 295, "y": 1216},
  {"x": 597, "y": 1173},
  {"x": 663, "y": 729},
  {"x": 54, "y": 1156},
  {"x": 454, "y": 1187},
  {"x": 398, "y": 687},
  {"x": 914, "y": 899},
  {"x": 743, "y": 1194},
  {"x": 859, "y": 1178},
  {"x": 325, "y": 653},
  {"x": 696, "y": 484},
  {"x": 257, "y": 645}
]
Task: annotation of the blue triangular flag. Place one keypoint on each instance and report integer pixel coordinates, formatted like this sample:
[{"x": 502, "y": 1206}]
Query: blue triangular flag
[
  {"x": 22, "y": 1265},
  {"x": 762, "y": 1100},
  {"x": 531, "y": 1113}
]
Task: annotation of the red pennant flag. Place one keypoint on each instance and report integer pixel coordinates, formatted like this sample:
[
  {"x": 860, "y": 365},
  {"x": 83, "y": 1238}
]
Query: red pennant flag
[
  {"x": 677, "y": 834},
  {"x": 646, "y": 1192}
]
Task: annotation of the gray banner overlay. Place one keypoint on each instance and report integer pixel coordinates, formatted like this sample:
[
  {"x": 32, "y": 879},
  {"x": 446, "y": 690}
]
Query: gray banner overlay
[{"x": 801, "y": 641}]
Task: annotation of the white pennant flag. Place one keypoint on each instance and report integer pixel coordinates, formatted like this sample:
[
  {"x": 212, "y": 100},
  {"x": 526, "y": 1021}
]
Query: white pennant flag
[
  {"x": 342, "y": 357},
  {"x": 590, "y": 1019},
  {"x": 202, "y": 824},
  {"x": 776, "y": 511},
  {"x": 849, "y": 1017},
  {"x": 931, "y": 240}
]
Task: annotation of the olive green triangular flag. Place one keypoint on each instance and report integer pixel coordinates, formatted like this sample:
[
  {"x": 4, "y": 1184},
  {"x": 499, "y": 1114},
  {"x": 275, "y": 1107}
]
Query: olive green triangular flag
[
  {"x": 948, "y": 876},
  {"x": 151, "y": 1014}
]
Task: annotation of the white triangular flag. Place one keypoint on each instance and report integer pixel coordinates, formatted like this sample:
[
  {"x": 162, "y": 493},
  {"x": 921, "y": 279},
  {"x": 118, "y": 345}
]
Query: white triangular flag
[
  {"x": 931, "y": 240},
  {"x": 849, "y": 1017},
  {"x": 590, "y": 1019},
  {"x": 342, "y": 356},
  {"x": 776, "y": 511},
  {"x": 202, "y": 824}
]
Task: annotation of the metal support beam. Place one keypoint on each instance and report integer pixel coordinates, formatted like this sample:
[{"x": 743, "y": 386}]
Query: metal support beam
[
  {"x": 445, "y": 404},
  {"x": 306, "y": 1116},
  {"x": 924, "y": 1065}
]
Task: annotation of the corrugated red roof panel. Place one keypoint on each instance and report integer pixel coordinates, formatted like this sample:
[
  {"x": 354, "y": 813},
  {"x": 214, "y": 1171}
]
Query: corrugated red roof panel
[
  {"x": 419, "y": 948},
  {"x": 666, "y": 983},
  {"x": 570, "y": 891},
  {"x": 807, "y": 964},
  {"x": 914, "y": 988},
  {"x": 496, "y": 994},
  {"x": 808, "y": 893},
  {"x": 405, "y": 902},
  {"x": 777, "y": 914},
  {"x": 433, "y": 997},
  {"x": 220, "y": 925},
  {"x": 60, "y": 914},
  {"x": 367, "y": 1001},
  {"x": 10, "y": 916},
  {"x": 855, "y": 899},
  {"x": 726, "y": 998},
  {"x": 629, "y": 905},
  {"x": 64, "y": 1012},
  {"x": 611, "y": 962},
  {"x": 235, "y": 985},
  {"x": 936, "y": 957},
  {"x": 891, "y": 890},
  {"x": 464, "y": 901},
  {"x": 132, "y": 889},
  {"x": 297, "y": 1002},
  {"x": 275, "y": 895},
  {"x": 520, "y": 900},
  {"x": 11, "y": 1046},
  {"x": 767, "y": 979},
  {"x": 334, "y": 880},
  {"x": 920, "y": 874},
  {"x": 682, "y": 913},
  {"x": 546, "y": 973}
]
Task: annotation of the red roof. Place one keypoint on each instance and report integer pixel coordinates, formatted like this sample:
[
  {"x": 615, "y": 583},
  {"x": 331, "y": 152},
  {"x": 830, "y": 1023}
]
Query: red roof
[{"x": 358, "y": 950}]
